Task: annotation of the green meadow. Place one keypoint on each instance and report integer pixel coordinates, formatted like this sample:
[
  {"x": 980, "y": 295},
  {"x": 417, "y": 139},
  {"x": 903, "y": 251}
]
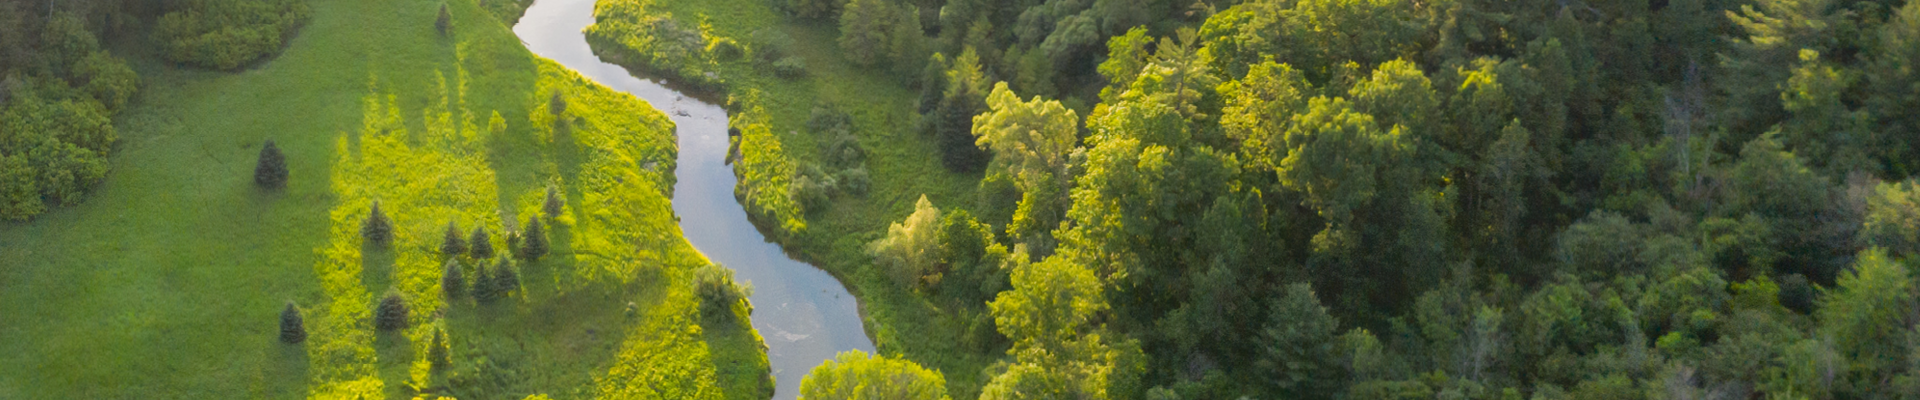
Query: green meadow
[
  {"x": 773, "y": 113},
  {"x": 169, "y": 280}
]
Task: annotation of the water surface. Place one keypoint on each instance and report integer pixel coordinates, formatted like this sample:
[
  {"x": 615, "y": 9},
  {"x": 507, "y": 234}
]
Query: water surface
[{"x": 805, "y": 315}]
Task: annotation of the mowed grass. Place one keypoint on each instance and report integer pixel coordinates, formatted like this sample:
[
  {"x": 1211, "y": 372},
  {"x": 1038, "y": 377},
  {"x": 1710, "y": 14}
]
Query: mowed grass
[
  {"x": 168, "y": 281},
  {"x": 903, "y": 162}
]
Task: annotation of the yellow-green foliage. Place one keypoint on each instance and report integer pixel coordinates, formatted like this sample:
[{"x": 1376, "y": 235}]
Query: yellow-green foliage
[
  {"x": 853, "y": 375},
  {"x": 634, "y": 34},
  {"x": 186, "y": 264},
  {"x": 765, "y": 171},
  {"x": 224, "y": 34}
]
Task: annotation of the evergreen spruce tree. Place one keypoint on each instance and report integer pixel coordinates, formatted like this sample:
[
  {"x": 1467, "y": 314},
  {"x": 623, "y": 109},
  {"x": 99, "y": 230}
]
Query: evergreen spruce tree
[
  {"x": 392, "y": 312},
  {"x": 439, "y": 358},
  {"x": 293, "y": 328},
  {"x": 557, "y": 105},
  {"x": 480, "y": 244},
  {"x": 554, "y": 203},
  {"x": 505, "y": 280},
  {"x": 534, "y": 245},
  {"x": 453, "y": 245},
  {"x": 453, "y": 282},
  {"x": 483, "y": 283},
  {"x": 271, "y": 171},
  {"x": 444, "y": 23},
  {"x": 377, "y": 229}
]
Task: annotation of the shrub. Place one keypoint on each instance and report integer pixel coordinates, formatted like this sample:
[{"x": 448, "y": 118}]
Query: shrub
[
  {"x": 293, "y": 328},
  {"x": 554, "y": 203},
  {"x": 439, "y": 358},
  {"x": 480, "y": 245},
  {"x": 452, "y": 244},
  {"x": 718, "y": 292},
  {"x": 377, "y": 229},
  {"x": 391, "y": 314},
  {"x": 724, "y": 49},
  {"x": 854, "y": 181},
  {"x": 453, "y": 282},
  {"x": 444, "y": 23},
  {"x": 534, "y": 243},
  {"x": 271, "y": 171},
  {"x": 769, "y": 44},
  {"x": 224, "y": 34},
  {"x": 911, "y": 247},
  {"x": 812, "y": 189},
  {"x": 790, "y": 67}
]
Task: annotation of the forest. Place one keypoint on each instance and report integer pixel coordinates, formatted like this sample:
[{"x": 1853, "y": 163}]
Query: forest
[
  {"x": 1348, "y": 198},
  {"x": 1058, "y": 199}
]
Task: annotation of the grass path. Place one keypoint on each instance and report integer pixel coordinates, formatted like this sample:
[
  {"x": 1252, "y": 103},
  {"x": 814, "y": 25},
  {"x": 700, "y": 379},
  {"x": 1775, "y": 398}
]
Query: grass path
[{"x": 168, "y": 281}]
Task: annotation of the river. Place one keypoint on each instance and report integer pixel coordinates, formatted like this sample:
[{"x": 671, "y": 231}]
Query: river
[{"x": 805, "y": 315}]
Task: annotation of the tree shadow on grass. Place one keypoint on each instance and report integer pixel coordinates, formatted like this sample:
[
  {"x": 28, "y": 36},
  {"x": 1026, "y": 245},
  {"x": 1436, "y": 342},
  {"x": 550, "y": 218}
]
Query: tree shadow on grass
[
  {"x": 396, "y": 353},
  {"x": 288, "y": 373},
  {"x": 739, "y": 356},
  {"x": 376, "y": 266}
]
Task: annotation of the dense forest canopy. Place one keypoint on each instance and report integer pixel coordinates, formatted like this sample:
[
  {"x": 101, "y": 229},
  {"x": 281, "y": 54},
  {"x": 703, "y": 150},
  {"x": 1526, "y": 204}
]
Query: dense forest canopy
[{"x": 1383, "y": 199}]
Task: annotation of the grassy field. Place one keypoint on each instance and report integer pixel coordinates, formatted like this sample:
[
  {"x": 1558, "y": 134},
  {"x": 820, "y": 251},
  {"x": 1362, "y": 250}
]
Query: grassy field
[
  {"x": 904, "y": 164},
  {"x": 168, "y": 281}
]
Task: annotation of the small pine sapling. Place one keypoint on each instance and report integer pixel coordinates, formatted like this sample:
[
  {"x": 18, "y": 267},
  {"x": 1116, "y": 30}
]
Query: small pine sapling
[
  {"x": 271, "y": 171},
  {"x": 480, "y": 244},
  {"x": 391, "y": 314},
  {"x": 554, "y": 203},
  {"x": 453, "y": 282},
  {"x": 293, "y": 328},
  {"x": 439, "y": 358},
  {"x": 534, "y": 244},
  {"x": 377, "y": 229},
  {"x": 453, "y": 245}
]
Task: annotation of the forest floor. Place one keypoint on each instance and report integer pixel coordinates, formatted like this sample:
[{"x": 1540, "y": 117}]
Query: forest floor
[
  {"x": 904, "y": 164},
  {"x": 169, "y": 280}
]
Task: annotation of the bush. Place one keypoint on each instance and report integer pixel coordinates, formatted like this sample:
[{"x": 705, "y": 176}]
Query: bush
[
  {"x": 452, "y": 244},
  {"x": 718, "y": 292},
  {"x": 790, "y": 67},
  {"x": 391, "y": 314},
  {"x": 554, "y": 203},
  {"x": 812, "y": 189},
  {"x": 453, "y": 282},
  {"x": 534, "y": 243},
  {"x": 724, "y": 49},
  {"x": 480, "y": 245},
  {"x": 377, "y": 229},
  {"x": 769, "y": 44},
  {"x": 293, "y": 328},
  {"x": 271, "y": 171},
  {"x": 911, "y": 247},
  {"x": 854, "y": 181},
  {"x": 224, "y": 34}
]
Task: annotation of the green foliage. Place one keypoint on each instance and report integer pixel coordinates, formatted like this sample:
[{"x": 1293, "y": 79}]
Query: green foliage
[
  {"x": 506, "y": 278},
  {"x": 766, "y": 173},
  {"x": 1030, "y": 141},
  {"x": 271, "y": 169},
  {"x": 1893, "y": 218},
  {"x": 535, "y": 243},
  {"x": 486, "y": 288},
  {"x": 376, "y": 229},
  {"x": 1864, "y": 318},
  {"x": 52, "y": 150},
  {"x": 634, "y": 34},
  {"x": 1298, "y": 357},
  {"x": 439, "y": 358},
  {"x": 1314, "y": 36},
  {"x": 480, "y": 244},
  {"x": 719, "y": 295},
  {"x": 853, "y": 375},
  {"x": 964, "y": 98},
  {"x": 790, "y": 67},
  {"x": 551, "y": 207},
  {"x": 225, "y": 34},
  {"x": 811, "y": 9},
  {"x": 452, "y": 244},
  {"x": 293, "y": 328},
  {"x": 453, "y": 280},
  {"x": 391, "y": 313},
  {"x": 911, "y": 248},
  {"x": 882, "y": 33},
  {"x": 444, "y": 22}
]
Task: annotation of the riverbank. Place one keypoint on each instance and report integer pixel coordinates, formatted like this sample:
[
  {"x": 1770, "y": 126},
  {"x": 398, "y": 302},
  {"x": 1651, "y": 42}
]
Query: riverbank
[
  {"x": 772, "y": 113},
  {"x": 169, "y": 280}
]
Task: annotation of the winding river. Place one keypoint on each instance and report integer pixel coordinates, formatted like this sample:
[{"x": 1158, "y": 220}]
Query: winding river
[{"x": 804, "y": 314}]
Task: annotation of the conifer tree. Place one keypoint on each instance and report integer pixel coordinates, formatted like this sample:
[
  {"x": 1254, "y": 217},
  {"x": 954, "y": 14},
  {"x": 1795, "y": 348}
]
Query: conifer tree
[
  {"x": 481, "y": 244},
  {"x": 271, "y": 171},
  {"x": 505, "y": 280},
  {"x": 483, "y": 283},
  {"x": 377, "y": 229},
  {"x": 293, "y": 328},
  {"x": 453, "y": 282},
  {"x": 453, "y": 245},
  {"x": 392, "y": 312},
  {"x": 439, "y": 358},
  {"x": 534, "y": 242},
  {"x": 554, "y": 203}
]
